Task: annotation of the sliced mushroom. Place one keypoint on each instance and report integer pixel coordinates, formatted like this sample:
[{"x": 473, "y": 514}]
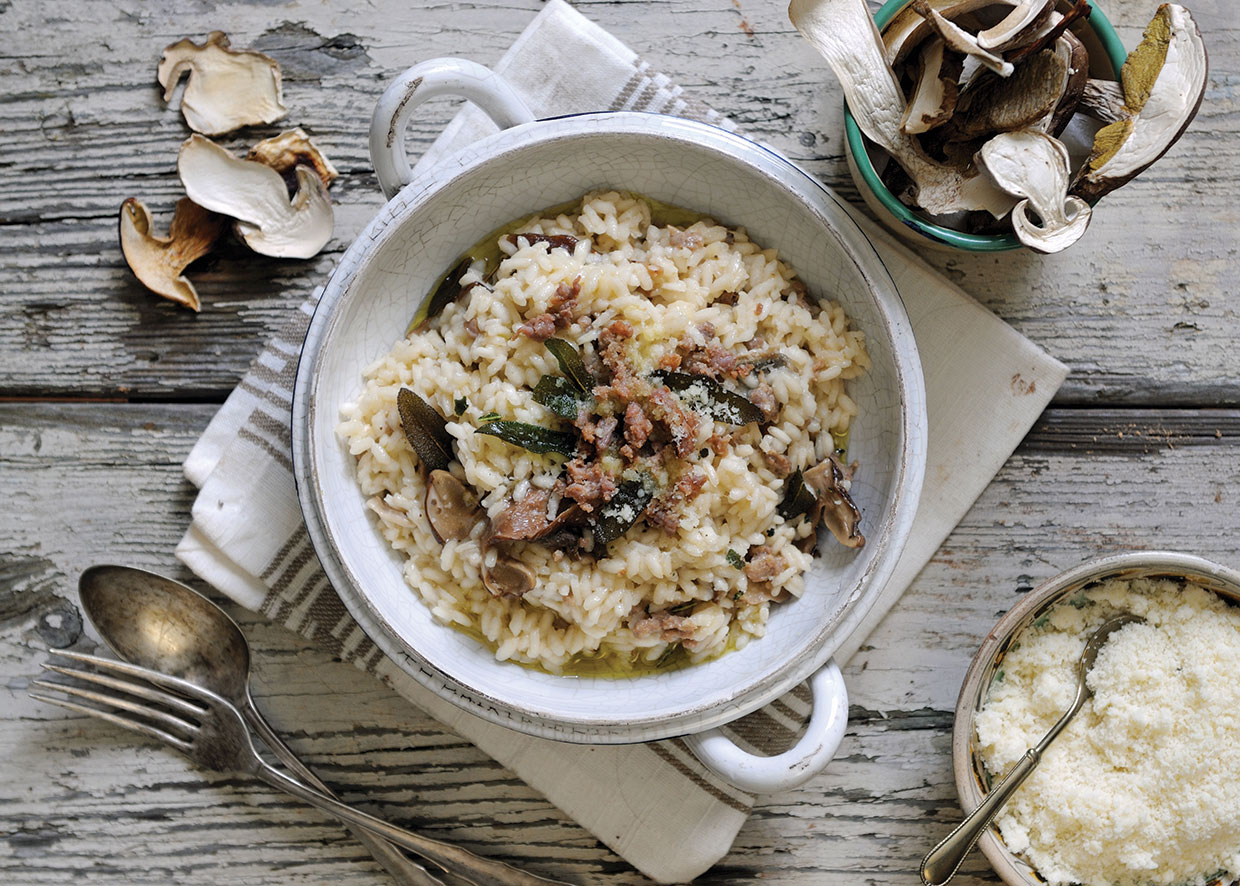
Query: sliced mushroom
[
  {"x": 509, "y": 577},
  {"x": 1164, "y": 80},
  {"x": 1047, "y": 33},
  {"x": 451, "y": 507},
  {"x": 227, "y": 88},
  {"x": 829, "y": 480},
  {"x": 1017, "y": 26},
  {"x": 255, "y": 195},
  {"x": 158, "y": 262},
  {"x": 907, "y": 29},
  {"x": 1033, "y": 165},
  {"x": 960, "y": 40},
  {"x": 1074, "y": 85},
  {"x": 844, "y": 33},
  {"x": 290, "y": 149},
  {"x": 1104, "y": 100},
  {"x": 934, "y": 99},
  {"x": 992, "y": 103}
]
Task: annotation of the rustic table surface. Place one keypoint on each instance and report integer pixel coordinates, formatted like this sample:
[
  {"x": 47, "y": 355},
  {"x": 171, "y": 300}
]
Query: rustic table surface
[{"x": 104, "y": 388}]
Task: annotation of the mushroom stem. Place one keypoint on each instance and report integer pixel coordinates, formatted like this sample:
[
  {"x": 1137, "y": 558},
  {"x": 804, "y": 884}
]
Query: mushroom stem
[{"x": 848, "y": 39}]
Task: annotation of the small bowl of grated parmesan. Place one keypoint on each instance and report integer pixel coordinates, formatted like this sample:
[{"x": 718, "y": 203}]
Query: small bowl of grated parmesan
[{"x": 1143, "y": 786}]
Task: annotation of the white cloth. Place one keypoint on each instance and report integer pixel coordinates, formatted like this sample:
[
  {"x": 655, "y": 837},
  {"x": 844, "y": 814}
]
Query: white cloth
[{"x": 985, "y": 383}]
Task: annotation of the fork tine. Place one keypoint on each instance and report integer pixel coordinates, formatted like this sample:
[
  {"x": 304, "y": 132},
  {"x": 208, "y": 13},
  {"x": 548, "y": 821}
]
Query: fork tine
[
  {"x": 167, "y": 681},
  {"x": 125, "y": 723},
  {"x": 131, "y": 688},
  {"x": 104, "y": 698}
]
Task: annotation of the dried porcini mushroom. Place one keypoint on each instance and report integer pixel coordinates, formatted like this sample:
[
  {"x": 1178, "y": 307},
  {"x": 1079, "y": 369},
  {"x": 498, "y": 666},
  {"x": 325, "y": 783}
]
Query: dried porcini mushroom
[
  {"x": 938, "y": 86},
  {"x": 991, "y": 103},
  {"x": 844, "y": 33},
  {"x": 227, "y": 88},
  {"x": 451, "y": 507},
  {"x": 509, "y": 577},
  {"x": 961, "y": 40},
  {"x": 1018, "y": 26},
  {"x": 1033, "y": 165},
  {"x": 290, "y": 149},
  {"x": 1103, "y": 100},
  {"x": 1164, "y": 80},
  {"x": 255, "y": 195},
  {"x": 907, "y": 30},
  {"x": 158, "y": 262},
  {"x": 829, "y": 481}
]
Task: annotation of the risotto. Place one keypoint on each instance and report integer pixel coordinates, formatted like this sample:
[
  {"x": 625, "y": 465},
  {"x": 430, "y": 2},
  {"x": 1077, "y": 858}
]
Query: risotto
[{"x": 613, "y": 441}]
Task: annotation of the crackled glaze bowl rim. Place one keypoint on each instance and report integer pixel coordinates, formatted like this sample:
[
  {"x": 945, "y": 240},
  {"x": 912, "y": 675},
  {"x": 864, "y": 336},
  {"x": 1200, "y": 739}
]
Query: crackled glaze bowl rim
[
  {"x": 967, "y": 767},
  {"x": 887, "y": 536}
]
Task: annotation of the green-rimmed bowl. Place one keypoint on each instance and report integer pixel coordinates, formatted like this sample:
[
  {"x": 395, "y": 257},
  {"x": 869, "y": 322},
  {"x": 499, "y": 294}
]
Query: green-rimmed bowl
[{"x": 1095, "y": 32}]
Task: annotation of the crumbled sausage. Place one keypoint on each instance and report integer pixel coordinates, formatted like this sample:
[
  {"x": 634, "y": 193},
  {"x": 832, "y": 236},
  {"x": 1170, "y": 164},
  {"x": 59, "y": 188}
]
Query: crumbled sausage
[
  {"x": 763, "y": 396},
  {"x": 668, "y": 627},
  {"x": 764, "y": 565}
]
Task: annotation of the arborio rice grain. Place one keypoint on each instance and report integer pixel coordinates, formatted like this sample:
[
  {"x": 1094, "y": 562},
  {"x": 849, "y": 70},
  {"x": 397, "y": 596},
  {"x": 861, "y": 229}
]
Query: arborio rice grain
[{"x": 669, "y": 285}]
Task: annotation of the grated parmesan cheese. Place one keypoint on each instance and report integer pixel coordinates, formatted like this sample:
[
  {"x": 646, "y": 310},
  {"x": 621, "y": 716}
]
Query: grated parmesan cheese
[{"x": 1143, "y": 786}]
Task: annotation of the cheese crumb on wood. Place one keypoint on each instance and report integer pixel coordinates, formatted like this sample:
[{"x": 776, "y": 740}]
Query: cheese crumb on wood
[{"x": 1143, "y": 786}]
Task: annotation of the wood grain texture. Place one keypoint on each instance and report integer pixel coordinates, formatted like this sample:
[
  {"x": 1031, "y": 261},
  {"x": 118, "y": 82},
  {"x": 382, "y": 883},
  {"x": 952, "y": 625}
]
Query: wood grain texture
[
  {"x": 1141, "y": 310},
  {"x": 101, "y": 482},
  {"x": 1141, "y": 451}
]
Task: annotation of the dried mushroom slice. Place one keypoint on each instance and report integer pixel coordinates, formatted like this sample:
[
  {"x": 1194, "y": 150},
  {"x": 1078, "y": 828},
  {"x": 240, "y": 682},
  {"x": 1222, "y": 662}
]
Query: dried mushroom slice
[
  {"x": 1018, "y": 26},
  {"x": 991, "y": 103},
  {"x": 1104, "y": 100},
  {"x": 843, "y": 32},
  {"x": 1164, "y": 80},
  {"x": 255, "y": 195},
  {"x": 960, "y": 40},
  {"x": 907, "y": 29},
  {"x": 934, "y": 99},
  {"x": 158, "y": 262},
  {"x": 290, "y": 149},
  {"x": 1033, "y": 165},
  {"x": 227, "y": 88}
]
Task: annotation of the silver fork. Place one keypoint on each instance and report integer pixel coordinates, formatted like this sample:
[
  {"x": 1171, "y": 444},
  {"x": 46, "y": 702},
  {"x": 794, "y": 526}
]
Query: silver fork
[{"x": 209, "y": 729}]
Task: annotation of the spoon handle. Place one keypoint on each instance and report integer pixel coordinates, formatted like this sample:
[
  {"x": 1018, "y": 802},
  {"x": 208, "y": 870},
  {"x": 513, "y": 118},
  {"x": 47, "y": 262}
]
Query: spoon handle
[
  {"x": 942, "y": 862},
  {"x": 404, "y": 870}
]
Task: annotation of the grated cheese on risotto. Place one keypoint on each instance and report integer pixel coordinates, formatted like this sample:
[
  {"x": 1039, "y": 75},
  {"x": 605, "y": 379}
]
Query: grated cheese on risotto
[
  {"x": 1143, "y": 787},
  {"x": 628, "y": 408}
]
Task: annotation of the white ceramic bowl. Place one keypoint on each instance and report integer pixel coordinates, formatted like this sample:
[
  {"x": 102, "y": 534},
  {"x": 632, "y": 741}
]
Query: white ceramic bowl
[
  {"x": 381, "y": 279},
  {"x": 971, "y": 777}
]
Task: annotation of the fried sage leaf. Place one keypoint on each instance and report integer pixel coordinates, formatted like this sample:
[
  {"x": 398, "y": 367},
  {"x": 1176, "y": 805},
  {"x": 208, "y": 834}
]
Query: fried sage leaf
[
  {"x": 533, "y": 438},
  {"x": 705, "y": 395},
  {"x": 448, "y": 291},
  {"x": 426, "y": 430},
  {"x": 571, "y": 364},
  {"x": 560, "y": 395},
  {"x": 798, "y": 499},
  {"x": 624, "y": 509}
]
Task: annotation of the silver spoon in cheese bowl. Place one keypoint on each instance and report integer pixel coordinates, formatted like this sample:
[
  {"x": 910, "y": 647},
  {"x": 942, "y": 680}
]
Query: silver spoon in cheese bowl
[{"x": 942, "y": 862}]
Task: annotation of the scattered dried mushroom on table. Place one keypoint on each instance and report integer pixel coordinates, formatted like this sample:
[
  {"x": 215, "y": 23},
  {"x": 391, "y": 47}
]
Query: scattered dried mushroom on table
[
  {"x": 947, "y": 77},
  {"x": 276, "y": 197}
]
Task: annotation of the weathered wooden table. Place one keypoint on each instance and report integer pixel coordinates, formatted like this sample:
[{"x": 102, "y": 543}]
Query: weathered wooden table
[{"x": 105, "y": 388}]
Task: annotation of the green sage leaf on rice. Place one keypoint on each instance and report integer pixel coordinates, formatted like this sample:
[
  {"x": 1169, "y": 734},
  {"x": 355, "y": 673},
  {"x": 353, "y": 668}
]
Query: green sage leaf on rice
[
  {"x": 560, "y": 395},
  {"x": 426, "y": 430},
  {"x": 533, "y": 438},
  {"x": 703, "y": 394},
  {"x": 448, "y": 291},
  {"x": 617, "y": 516},
  {"x": 571, "y": 364},
  {"x": 798, "y": 498},
  {"x": 734, "y": 559}
]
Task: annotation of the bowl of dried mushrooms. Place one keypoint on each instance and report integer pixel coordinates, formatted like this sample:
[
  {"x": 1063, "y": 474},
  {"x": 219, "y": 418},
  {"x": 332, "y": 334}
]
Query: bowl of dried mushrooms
[{"x": 991, "y": 125}]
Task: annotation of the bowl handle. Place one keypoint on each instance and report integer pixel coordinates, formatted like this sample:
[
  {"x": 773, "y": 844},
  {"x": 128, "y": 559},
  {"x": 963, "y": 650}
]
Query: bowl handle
[
  {"x": 797, "y": 765},
  {"x": 427, "y": 80}
]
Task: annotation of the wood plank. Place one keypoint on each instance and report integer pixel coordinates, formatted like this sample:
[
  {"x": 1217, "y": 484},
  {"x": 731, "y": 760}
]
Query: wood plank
[
  {"x": 1140, "y": 311},
  {"x": 90, "y": 483}
]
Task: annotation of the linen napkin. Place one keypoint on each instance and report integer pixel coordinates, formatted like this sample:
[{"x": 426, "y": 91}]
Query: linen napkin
[{"x": 986, "y": 385}]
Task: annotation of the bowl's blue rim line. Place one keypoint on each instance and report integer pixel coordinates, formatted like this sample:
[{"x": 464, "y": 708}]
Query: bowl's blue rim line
[{"x": 1116, "y": 54}]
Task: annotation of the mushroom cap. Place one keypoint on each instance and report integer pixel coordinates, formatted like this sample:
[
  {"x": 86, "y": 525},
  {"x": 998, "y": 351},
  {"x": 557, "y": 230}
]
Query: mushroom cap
[
  {"x": 451, "y": 507},
  {"x": 1164, "y": 80},
  {"x": 509, "y": 577},
  {"x": 290, "y": 149},
  {"x": 255, "y": 195},
  {"x": 227, "y": 88},
  {"x": 1033, "y": 165},
  {"x": 157, "y": 262}
]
